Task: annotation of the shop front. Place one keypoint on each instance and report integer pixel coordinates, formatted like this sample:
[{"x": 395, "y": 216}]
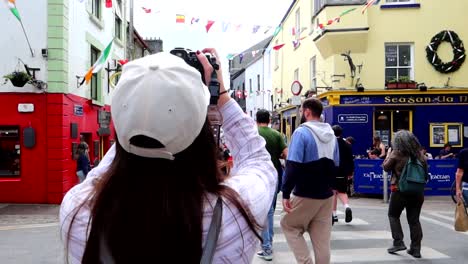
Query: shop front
[
  {"x": 436, "y": 117},
  {"x": 38, "y": 136}
]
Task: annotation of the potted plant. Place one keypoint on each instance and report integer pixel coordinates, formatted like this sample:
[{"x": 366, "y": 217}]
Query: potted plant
[
  {"x": 403, "y": 82},
  {"x": 18, "y": 78}
]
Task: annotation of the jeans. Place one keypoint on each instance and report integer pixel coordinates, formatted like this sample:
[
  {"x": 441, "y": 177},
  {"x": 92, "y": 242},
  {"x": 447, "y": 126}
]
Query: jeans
[
  {"x": 413, "y": 204},
  {"x": 267, "y": 233}
]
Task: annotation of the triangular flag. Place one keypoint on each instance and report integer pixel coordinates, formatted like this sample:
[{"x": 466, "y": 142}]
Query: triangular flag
[
  {"x": 278, "y": 47},
  {"x": 99, "y": 64},
  {"x": 12, "y": 5},
  {"x": 147, "y": 10},
  {"x": 293, "y": 31},
  {"x": 277, "y": 30},
  {"x": 180, "y": 19},
  {"x": 255, "y": 29},
  {"x": 194, "y": 20},
  {"x": 123, "y": 62},
  {"x": 225, "y": 26},
  {"x": 230, "y": 56},
  {"x": 209, "y": 24},
  {"x": 238, "y": 26},
  {"x": 267, "y": 29},
  {"x": 254, "y": 52},
  {"x": 241, "y": 57},
  {"x": 108, "y": 3},
  {"x": 329, "y": 22}
]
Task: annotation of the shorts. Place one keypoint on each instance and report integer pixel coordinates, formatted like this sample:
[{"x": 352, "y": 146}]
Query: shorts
[{"x": 341, "y": 184}]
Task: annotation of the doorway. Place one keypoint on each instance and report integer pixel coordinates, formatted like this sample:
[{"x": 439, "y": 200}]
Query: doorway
[{"x": 389, "y": 121}]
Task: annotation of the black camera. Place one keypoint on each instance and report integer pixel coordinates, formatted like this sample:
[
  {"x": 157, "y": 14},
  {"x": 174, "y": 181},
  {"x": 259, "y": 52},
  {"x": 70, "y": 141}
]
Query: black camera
[{"x": 190, "y": 57}]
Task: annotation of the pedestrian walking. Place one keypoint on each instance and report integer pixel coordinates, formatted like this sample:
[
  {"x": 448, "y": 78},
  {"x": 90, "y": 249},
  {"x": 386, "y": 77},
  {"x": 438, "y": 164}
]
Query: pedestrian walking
[
  {"x": 405, "y": 145},
  {"x": 311, "y": 165},
  {"x": 82, "y": 162},
  {"x": 462, "y": 176},
  {"x": 157, "y": 195},
  {"x": 277, "y": 148},
  {"x": 345, "y": 172}
]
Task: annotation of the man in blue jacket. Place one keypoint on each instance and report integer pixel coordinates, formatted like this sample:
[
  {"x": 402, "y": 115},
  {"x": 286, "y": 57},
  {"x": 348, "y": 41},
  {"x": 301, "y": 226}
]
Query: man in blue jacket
[{"x": 310, "y": 170}]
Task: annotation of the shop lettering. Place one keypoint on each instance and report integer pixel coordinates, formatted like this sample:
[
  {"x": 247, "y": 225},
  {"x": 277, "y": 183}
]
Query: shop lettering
[
  {"x": 463, "y": 99},
  {"x": 420, "y": 100},
  {"x": 372, "y": 175},
  {"x": 439, "y": 177}
]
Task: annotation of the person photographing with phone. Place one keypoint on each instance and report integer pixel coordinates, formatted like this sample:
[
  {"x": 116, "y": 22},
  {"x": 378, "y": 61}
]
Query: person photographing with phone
[{"x": 158, "y": 195}]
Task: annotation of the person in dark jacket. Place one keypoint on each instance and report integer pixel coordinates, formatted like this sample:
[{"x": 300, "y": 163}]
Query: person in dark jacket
[
  {"x": 405, "y": 145},
  {"x": 82, "y": 162},
  {"x": 345, "y": 171}
]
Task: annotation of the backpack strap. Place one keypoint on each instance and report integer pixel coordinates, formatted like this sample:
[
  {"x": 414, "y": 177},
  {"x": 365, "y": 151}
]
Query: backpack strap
[{"x": 213, "y": 233}]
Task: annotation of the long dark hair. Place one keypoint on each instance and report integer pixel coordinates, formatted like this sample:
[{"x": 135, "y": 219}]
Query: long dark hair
[{"x": 145, "y": 208}]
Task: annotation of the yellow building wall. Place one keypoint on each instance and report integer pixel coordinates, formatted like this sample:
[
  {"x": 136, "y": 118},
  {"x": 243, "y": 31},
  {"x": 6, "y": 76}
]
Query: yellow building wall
[{"x": 399, "y": 25}]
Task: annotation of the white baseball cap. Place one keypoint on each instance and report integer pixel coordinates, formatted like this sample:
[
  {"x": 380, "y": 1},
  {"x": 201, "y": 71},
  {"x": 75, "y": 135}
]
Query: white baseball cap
[{"x": 159, "y": 96}]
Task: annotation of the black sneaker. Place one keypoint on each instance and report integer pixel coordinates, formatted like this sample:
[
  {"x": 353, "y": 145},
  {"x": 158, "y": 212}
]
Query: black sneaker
[
  {"x": 334, "y": 219},
  {"x": 268, "y": 256},
  {"x": 395, "y": 249},
  {"x": 413, "y": 252},
  {"x": 349, "y": 215}
]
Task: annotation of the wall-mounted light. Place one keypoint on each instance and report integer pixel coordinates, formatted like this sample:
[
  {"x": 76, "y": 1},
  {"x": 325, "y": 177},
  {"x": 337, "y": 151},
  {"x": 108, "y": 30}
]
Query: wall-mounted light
[
  {"x": 360, "y": 88},
  {"x": 422, "y": 87}
]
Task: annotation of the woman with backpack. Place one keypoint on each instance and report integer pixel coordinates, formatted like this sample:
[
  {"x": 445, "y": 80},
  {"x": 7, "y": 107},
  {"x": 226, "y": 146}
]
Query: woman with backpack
[
  {"x": 405, "y": 147},
  {"x": 158, "y": 196}
]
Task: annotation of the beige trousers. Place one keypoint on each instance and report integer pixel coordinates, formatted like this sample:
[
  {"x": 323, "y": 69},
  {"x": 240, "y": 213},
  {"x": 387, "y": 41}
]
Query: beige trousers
[{"x": 314, "y": 217}]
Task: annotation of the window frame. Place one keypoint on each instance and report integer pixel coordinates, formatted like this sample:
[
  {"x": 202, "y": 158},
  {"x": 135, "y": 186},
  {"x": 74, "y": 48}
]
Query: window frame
[
  {"x": 258, "y": 82},
  {"x": 313, "y": 73},
  {"x": 276, "y": 56},
  {"x": 96, "y": 8},
  {"x": 399, "y": 2},
  {"x": 94, "y": 84},
  {"x": 298, "y": 23},
  {"x": 397, "y": 67},
  {"x": 118, "y": 27}
]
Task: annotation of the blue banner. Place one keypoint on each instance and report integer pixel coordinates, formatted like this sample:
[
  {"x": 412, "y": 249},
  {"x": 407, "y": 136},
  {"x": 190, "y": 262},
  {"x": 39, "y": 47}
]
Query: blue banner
[{"x": 368, "y": 176}]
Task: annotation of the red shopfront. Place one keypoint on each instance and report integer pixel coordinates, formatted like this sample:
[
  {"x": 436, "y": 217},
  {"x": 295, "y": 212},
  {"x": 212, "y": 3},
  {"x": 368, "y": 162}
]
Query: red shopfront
[{"x": 38, "y": 134}]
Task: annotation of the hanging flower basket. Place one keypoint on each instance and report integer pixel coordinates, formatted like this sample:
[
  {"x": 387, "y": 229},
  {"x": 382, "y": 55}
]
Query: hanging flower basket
[{"x": 18, "y": 79}]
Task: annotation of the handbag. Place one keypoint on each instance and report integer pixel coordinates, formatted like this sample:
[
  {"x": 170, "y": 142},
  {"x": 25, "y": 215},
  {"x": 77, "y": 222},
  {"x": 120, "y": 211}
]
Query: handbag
[
  {"x": 461, "y": 217},
  {"x": 213, "y": 233}
]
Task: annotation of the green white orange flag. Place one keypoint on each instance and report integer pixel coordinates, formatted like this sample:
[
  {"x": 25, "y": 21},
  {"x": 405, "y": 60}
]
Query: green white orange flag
[
  {"x": 12, "y": 5},
  {"x": 99, "y": 64}
]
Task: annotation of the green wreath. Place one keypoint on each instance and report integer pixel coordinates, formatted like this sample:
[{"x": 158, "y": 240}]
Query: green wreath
[{"x": 458, "y": 52}]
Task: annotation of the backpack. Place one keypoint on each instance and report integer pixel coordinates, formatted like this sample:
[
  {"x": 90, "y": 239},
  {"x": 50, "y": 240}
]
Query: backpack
[{"x": 413, "y": 178}]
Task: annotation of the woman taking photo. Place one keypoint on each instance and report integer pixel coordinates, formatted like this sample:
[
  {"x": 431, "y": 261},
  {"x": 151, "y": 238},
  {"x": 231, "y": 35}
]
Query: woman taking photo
[
  {"x": 404, "y": 146},
  {"x": 155, "y": 194}
]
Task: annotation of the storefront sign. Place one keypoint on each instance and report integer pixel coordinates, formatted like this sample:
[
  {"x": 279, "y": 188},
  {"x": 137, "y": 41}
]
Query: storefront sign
[
  {"x": 353, "y": 118},
  {"x": 405, "y": 99},
  {"x": 78, "y": 110},
  {"x": 368, "y": 176}
]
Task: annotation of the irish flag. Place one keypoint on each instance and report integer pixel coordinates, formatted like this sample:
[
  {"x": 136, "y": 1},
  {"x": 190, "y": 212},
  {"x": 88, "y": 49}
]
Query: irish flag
[
  {"x": 12, "y": 5},
  {"x": 99, "y": 64}
]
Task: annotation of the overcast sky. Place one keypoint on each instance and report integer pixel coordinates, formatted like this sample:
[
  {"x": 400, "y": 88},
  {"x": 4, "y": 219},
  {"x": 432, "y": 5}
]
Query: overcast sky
[{"x": 161, "y": 22}]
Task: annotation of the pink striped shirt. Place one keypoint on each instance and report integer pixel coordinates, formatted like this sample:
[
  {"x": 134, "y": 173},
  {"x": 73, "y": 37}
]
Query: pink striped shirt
[{"x": 253, "y": 177}]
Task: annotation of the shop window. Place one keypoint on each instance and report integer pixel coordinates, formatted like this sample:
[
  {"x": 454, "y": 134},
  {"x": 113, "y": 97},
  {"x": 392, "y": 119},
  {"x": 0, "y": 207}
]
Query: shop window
[
  {"x": 250, "y": 85},
  {"x": 388, "y": 122},
  {"x": 398, "y": 61},
  {"x": 442, "y": 133},
  {"x": 10, "y": 155}
]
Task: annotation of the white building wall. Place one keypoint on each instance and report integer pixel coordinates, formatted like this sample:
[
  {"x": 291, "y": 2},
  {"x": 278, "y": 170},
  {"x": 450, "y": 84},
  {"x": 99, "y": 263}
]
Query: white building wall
[
  {"x": 254, "y": 98},
  {"x": 82, "y": 27},
  {"x": 13, "y": 44},
  {"x": 267, "y": 78}
]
